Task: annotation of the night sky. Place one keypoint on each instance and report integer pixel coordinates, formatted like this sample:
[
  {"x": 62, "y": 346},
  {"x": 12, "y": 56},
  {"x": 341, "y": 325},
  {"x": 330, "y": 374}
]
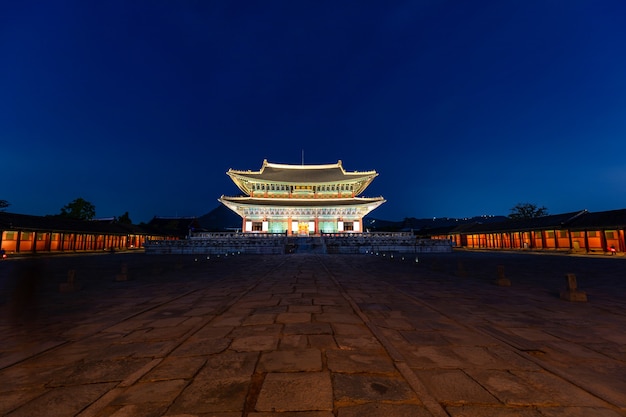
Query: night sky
[{"x": 463, "y": 107}]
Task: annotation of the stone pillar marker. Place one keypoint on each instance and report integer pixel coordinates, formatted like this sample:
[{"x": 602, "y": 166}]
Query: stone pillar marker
[
  {"x": 571, "y": 292},
  {"x": 123, "y": 275},
  {"x": 435, "y": 265},
  {"x": 502, "y": 280},
  {"x": 70, "y": 285},
  {"x": 460, "y": 270}
]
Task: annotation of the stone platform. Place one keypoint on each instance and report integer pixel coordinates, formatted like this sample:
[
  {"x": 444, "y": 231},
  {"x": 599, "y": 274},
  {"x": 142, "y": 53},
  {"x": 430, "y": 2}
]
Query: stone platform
[
  {"x": 312, "y": 336},
  {"x": 220, "y": 243}
]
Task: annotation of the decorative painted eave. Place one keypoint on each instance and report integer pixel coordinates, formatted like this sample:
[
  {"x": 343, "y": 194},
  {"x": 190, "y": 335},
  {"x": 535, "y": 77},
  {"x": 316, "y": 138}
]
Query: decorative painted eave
[
  {"x": 240, "y": 204},
  {"x": 301, "y": 202}
]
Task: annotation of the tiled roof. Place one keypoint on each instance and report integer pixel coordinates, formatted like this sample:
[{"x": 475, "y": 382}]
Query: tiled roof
[
  {"x": 554, "y": 221},
  {"x": 14, "y": 221},
  {"x": 302, "y": 173},
  {"x": 603, "y": 219},
  {"x": 577, "y": 220}
]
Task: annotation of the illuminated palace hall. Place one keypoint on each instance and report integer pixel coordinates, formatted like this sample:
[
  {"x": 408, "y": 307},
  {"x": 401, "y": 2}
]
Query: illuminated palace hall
[{"x": 302, "y": 199}]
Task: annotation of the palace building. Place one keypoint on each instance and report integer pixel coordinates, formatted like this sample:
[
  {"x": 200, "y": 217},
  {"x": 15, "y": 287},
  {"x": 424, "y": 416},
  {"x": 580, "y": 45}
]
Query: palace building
[{"x": 302, "y": 199}]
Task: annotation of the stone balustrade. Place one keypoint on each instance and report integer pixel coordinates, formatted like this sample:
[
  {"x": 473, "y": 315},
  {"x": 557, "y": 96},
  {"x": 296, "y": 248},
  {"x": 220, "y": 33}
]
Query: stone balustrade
[
  {"x": 237, "y": 243},
  {"x": 234, "y": 235},
  {"x": 203, "y": 243},
  {"x": 390, "y": 242}
]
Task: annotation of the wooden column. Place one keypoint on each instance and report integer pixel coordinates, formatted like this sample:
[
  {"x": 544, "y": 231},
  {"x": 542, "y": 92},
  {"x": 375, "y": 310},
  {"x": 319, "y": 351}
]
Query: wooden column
[
  {"x": 603, "y": 242},
  {"x": 18, "y": 242},
  {"x": 556, "y": 239},
  {"x": 48, "y": 241},
  {"x": 569, "y": 236},
  {"x": 33, "y": 242}
]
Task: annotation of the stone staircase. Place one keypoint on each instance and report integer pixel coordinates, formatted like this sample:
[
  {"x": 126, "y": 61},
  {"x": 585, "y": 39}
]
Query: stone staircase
[{"x": 307, "y": 244}]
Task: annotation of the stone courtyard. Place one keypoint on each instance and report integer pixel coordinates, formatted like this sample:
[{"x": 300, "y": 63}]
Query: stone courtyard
[{"x": 305, "y": 335}]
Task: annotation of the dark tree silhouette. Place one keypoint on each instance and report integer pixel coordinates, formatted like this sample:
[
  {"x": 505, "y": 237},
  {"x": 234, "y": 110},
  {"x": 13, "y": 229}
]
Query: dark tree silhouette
[
  {"x": 527, "y": 211},
  {"x": 80, "y": 209},
  {"x": 124, "y": 219},
  {"x": 4, "y": 204}
]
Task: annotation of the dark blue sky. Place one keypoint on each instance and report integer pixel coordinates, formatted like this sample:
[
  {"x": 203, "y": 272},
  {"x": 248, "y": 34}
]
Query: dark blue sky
[{"x": 464, "y": 108}]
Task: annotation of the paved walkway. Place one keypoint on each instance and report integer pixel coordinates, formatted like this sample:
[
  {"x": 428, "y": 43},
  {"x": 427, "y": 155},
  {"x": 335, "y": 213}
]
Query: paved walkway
[{"x": 312, "y": 336}]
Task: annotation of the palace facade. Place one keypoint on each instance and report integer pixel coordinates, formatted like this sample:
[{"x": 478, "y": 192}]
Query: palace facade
[{"x": 302, "y": 199}]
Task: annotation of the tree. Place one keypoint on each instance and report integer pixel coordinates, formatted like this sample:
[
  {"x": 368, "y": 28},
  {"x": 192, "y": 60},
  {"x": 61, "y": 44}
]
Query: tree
[
  {"x": 4, "y": 204},
  {"x": 80, "y": 209},
  {"x": 527, "y": 211},
  {"x": 124, "y": 219}
]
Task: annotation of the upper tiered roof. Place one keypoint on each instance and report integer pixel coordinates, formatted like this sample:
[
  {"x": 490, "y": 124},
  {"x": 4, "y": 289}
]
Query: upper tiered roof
[{"x": 301, "y": 175}]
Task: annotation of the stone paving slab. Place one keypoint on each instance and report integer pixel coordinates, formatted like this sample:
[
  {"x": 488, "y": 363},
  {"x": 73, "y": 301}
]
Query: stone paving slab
[
  {"x": 316, "y": 336},
  {"x": 301, "y": 360},
  {"x": 300, "y": 391}
]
